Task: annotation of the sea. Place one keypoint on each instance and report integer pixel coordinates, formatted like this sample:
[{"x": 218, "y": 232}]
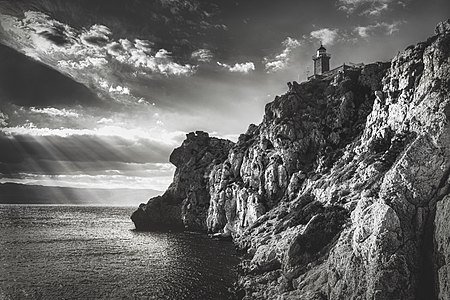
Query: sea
[{"x": 87, "y": 252}]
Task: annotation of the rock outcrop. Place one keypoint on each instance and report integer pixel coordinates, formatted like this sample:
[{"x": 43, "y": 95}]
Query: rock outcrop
[
  {"x": 343, "y": 191},
  {"x": 186, "y": 201}
]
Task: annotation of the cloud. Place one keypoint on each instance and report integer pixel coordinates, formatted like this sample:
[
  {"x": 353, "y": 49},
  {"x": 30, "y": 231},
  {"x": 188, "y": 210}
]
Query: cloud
[
  {"x": 376, "y": 10},
  {"x": 134, "y": 134},
  {"x": 88, "y": 62},
  {"x": 45, "y": 32},
  {"x": 119, "y": 90},
  {"x": 367, "y": 7},
  {"x": 326, "y": 35},
  {"x": 119, "y": 93},
  {"x": 178, "y": 6},
  {"x": 3, "y": 119},
  {"x": 239, "y": 67},
  {"x": 82, "y": 148},
  {"x": 202, "y": 55},
  {"x": 44, "y": 38},
  {"x": 378, "y": 28},
  {"x": 90, "y": 174},
  {"x": 94, "y": 62},
  {"x": 51, "y": 111},
  {"x": 57, "y": 35},
  {"x": 86, "y": 167},
  {"x": 280, "y": 61},
  {"x": 105, "y": 121},
  {"x": 139, "y": 55},
  {"x": 96, "y": 36}
]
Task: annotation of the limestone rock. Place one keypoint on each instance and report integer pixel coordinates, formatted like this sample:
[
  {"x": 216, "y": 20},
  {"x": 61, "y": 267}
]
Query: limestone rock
[
  {"x": 442, "y": 248},
  {"x": 186, "y": 201},
  {"x": 378, "y": 161},
  {"x": 303, "y": 131}
]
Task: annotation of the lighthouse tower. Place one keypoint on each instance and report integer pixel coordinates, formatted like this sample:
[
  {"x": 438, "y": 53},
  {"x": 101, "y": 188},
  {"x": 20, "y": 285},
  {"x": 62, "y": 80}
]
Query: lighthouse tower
[{"x": 321, "y": 61}]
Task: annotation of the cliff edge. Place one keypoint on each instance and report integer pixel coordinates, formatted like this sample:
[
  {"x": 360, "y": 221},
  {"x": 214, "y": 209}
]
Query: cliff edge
[
  {"x": 342, "y": 192},
  {"x": 185, "y": 203}
]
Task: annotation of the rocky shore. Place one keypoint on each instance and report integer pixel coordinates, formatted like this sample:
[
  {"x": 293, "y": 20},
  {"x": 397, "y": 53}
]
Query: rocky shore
[{"x": 342, "y": 192}]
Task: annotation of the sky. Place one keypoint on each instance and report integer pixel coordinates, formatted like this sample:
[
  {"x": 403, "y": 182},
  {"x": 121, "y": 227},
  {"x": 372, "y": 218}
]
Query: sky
[{"x": 97, "y": 93}]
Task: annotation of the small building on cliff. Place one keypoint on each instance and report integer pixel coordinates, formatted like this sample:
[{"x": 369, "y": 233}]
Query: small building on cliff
[
  {"x": 322, "y": 65},
  {"x": 321, "y": 61}
]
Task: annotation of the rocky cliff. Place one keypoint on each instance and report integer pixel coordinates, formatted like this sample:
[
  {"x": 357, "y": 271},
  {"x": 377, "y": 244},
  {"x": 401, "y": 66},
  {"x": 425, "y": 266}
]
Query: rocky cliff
[
  {"x": 185, "y": 203},
  {"x": 342, "y": 192}
]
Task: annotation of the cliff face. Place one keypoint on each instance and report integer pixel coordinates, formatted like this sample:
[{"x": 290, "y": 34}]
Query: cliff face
[
  {"x": 371, "y": 223},
  {"x": 186, "y": 201},
  {"x": 342, "y": 192},
  {"x": 303, "y": 133}
]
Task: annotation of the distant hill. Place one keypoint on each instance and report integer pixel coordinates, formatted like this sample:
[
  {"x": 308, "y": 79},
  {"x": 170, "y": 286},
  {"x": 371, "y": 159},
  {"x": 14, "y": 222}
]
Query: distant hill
[{"x": 12, "y": 193}]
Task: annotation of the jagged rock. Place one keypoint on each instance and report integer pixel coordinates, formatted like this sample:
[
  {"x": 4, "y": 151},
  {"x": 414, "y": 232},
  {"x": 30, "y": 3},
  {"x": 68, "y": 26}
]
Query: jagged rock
[
  {"x": 186, "y": 201},
  {"x": 158, "y": 214},
  {"x": 271, "y": 161},
  {"x": 393, "y": 180},
  {"x": 443, "y": 28},
  {"x": 442, "y": 248}
]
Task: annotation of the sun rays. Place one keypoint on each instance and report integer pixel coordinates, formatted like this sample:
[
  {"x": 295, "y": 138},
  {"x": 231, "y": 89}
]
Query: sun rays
[{"x": 60, "y": 158}]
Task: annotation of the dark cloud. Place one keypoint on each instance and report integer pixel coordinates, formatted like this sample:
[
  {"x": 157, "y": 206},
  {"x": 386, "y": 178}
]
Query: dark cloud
[
  {"x": 166, "y": 22},
  {"x": 10, "y": 151},
  {"x": 29, "y": 166},
  {"x": 88, "y": 161},
  {"x": 30, "y": 83},
  {"x": 96, "y": 40},
  {"x": 56, "y": 35},
  {"x": 97, "y": 35},
  {"x": 81, "y": 148}
]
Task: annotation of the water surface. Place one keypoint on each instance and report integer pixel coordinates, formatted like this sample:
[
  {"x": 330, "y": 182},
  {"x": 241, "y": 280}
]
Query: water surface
[{"x": 72, "y": 252}]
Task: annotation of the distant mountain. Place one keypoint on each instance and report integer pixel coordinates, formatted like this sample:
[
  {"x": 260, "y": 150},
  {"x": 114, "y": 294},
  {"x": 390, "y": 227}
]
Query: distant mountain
[
  {"x": 26, "y": 82},
  {"x": 12, "y": 193}
]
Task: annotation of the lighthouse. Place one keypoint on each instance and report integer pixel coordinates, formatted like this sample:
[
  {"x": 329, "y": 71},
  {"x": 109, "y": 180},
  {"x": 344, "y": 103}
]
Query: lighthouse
[{"x": 321, "y": 61}]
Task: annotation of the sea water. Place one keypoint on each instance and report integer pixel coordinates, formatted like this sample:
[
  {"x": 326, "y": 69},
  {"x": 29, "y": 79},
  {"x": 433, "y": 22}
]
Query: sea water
[{"x": 74, "y": 252}]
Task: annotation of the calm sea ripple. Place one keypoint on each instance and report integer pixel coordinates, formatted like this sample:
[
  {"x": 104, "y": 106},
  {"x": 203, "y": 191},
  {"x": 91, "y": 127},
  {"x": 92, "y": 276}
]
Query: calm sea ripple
[{"x": 73, "y": 252}]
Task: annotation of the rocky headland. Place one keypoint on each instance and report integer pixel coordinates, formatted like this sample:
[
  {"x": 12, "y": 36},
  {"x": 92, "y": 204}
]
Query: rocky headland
[{"x": 342, "y": 192}]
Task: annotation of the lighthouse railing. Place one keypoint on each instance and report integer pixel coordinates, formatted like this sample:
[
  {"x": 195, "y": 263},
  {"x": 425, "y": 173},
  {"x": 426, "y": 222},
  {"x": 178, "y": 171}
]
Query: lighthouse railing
[{"x": 321, "y": 55}]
